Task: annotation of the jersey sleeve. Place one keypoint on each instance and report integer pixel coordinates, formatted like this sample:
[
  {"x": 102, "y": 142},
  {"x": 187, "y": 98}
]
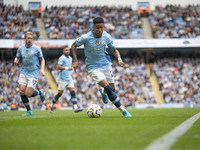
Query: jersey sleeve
[
  {"x": 18, "y": 54},
  {"x": 80, "y": 41},
  {"x": 60, "y": 61},
  {"x": 40, "y": 55},
  {"x": 110, "y": 42}
]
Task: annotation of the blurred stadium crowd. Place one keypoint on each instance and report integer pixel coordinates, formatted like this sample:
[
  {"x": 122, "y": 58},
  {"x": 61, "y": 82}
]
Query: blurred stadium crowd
[
  {"x": 176, "y": 21},
  {"x": 15, "y": 21},
  {"x": 69, "y": 22},
  {"x": 178, "y": 79},
  {"x": 66, "y": 22}
]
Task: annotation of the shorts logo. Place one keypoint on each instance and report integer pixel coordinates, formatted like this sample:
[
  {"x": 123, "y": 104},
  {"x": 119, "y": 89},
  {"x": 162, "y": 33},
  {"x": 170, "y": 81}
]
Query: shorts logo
[
  {"x": 97, "y": 42},
  {"x": 26, "y": 51}
]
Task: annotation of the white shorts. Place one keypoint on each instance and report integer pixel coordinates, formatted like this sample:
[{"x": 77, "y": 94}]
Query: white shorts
[
  {"x": 63, "y": 84},
  {"x": 29, "y": 82},
  {"x": 100, "y": 74}
]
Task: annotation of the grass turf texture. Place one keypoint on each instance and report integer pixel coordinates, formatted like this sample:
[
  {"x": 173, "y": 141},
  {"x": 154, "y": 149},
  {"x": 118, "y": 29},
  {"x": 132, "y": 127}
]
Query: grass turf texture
[{"x": 67, "y": 130}]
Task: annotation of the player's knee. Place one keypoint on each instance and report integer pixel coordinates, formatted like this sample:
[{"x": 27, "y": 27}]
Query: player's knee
[
  {"x": 28, "y": 93},
  {"x": 22, "y": 92},
  {"x": 112, "y": 95}
]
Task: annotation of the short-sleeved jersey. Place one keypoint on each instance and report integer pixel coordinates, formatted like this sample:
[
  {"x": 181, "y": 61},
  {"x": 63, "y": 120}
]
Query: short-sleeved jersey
[
  {"x": 30, "y": 60},
  {"x": 94, "y": 49},
  {"x": 64, "y": 75}
]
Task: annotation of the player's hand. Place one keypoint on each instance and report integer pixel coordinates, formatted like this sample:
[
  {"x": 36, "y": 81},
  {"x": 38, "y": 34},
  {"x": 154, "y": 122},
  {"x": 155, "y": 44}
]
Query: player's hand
[
  {"x": 120, "y": 62},
  {"x": 42, "y": 73},
  {"x": 70, "y": 68},
  {"x": 75, "y": 65},
  {"x": 16, "y": 62}
]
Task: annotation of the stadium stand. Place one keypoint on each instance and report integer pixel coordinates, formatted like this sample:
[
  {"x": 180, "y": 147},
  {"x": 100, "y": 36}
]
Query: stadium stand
[
  {"x": 174, "y": 21},
  {"x": 68, "y": 22},
  {"x": 179, "y": 79},
  {"x": 15, "y": 21}
]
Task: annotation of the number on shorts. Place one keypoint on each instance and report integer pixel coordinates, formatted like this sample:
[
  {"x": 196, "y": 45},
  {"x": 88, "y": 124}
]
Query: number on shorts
[{"x": 34, "y": 82}]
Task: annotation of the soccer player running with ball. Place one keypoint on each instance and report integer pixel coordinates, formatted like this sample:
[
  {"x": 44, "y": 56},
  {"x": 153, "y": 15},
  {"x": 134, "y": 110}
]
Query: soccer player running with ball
[
  {"x": 65, "y": 79},
  {"x": 30, "y": 55},
  {"x": 98, "y": 66}
]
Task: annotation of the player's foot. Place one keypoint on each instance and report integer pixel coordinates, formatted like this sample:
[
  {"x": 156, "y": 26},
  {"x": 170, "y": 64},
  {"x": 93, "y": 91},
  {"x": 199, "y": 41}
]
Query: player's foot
[
  {"x": 126, "y": 114},
  {"x": 104, "y": 95},
  {"x": 42, "y": 96},
  {"x": 51, "y": 109},
  {"x": 78, "y": 110},
  {"x": 28, "y": 113}
]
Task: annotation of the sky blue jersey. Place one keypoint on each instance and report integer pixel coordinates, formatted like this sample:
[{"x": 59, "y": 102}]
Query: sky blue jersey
[
  {"x": 30, "y": 60},
  {"x": 94, "y": 49},
  {"x": 64, "y": 75}
]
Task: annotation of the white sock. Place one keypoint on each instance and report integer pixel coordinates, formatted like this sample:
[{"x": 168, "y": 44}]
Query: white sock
[
  {"x": 121, "y": 108},
  {"x": 75, "y": 106}
]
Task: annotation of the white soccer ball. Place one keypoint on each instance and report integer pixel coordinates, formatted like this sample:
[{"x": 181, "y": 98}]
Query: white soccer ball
[{"x": 94, "y": 111}]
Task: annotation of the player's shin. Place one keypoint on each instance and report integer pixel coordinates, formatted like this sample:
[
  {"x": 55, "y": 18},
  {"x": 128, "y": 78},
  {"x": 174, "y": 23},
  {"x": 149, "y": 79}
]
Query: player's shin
[
  {"x": 113, "y": 98},
  {"x": 25, "y": 102},
  {"x": 35, "y": 93},
  {"x": 74, "y": 99},
  {"x": 56, "y": 99}
]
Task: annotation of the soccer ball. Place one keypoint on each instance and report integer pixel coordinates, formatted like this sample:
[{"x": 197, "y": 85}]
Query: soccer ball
[{"x": 94, "y": 111}]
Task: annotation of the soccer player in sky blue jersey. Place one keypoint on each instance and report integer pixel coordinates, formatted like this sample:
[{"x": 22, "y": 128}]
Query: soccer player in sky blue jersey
[
  {"x": 65, "y": 79},
  {"x": 30, "y": 55},
  {"x": 98, "y": 66}
]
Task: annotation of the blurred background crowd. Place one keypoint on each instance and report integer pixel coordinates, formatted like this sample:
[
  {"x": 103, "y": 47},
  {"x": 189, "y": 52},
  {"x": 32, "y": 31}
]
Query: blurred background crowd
[
  {"x": 178, "y": 77},
  {"x": 67, "y": 22}
]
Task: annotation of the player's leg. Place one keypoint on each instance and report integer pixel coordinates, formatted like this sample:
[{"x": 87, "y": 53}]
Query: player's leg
[
  {"x": 61, "y": 88},
  {"x": 97, "y": 76},
  {"x": 23, "y": 82},
  {"x": 22, "y": 89},
  {"x": 113, "y": 98},
  {"x": 58, "y": 95},
  {"x": 110, "y": 79},
  {"x": 104, "y": 95},
  {"x": 32, "y": 83},
  {"x": 70, "y": 87}
]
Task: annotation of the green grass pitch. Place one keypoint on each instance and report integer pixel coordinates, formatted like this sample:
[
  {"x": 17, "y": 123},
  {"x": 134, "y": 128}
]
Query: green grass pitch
[{"x": 65, "y": 130}]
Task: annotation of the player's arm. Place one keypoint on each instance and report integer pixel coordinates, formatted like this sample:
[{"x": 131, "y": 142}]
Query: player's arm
[
  {"x": 117, "y": 55},
  {"x": 16, "y": 60},
  {"x": 74, "y": 49},
  {"x": 18, "y": 56},
  {"x": 42, "y": 66},
  {"x": 59, "y": 67}
]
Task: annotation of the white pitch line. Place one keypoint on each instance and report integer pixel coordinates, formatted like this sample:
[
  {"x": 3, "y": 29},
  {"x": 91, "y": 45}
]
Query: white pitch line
[{"x": 167, "y": 140}]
